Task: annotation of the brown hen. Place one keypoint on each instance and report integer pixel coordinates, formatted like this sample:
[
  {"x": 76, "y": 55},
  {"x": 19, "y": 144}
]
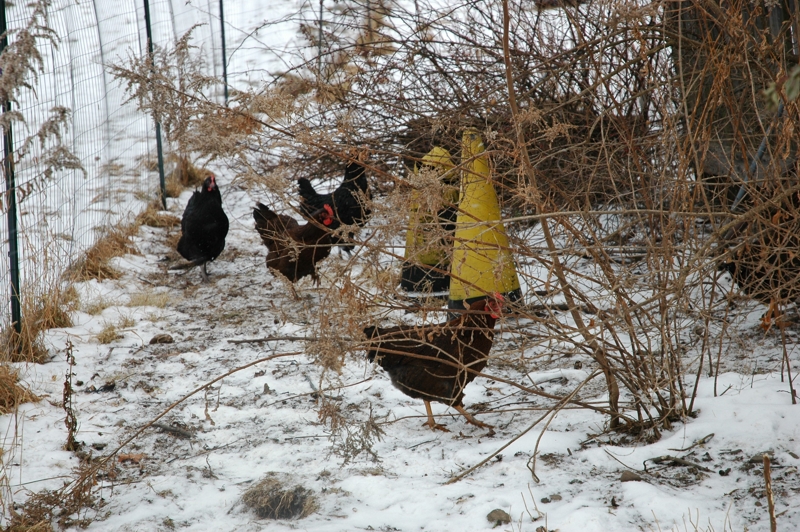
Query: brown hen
[
  {"x": 436, "y": 362},
  {"x": 294, "y": 249}
]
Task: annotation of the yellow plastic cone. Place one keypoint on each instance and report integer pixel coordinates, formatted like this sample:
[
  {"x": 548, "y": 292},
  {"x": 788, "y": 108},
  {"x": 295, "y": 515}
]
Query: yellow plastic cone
[
  {"x": 482, "y": 261},
  {"x": 424, "y": 247}
]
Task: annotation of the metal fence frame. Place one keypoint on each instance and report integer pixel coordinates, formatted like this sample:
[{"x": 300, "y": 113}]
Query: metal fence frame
[{"x": 49, "y": 221}]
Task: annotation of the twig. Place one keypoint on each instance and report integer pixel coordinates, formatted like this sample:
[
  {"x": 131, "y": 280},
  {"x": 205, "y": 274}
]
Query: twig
[
  {"x": 270, "y": 339},
  {"x": 174, "y": 430},
  {"x": 563, "y": 307},
  {"x": 773, "y": 522},
  {"x": 787, "y": 363},
  {"x": 679, "y": 461},
  {"x": 89, "y": 475},
  {"x": 310, "y": 383},
  {"x": 151, "y": 283},
  {"x": 623, "y": 463},
  {"x": 565, "y": 400},
  {"x": 206, "y": 451},
  {"x": 701, "y": 441},
  {"x": 532, "y": 461}
]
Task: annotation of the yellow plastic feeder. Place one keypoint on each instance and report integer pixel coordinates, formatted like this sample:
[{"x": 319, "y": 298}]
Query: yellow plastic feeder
[
  {"x": 426, "y": 255},
  {"x": 482, "y": 262}
]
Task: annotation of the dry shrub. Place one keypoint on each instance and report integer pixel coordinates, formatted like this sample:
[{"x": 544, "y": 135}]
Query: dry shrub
[
  {"x": 350, "y": 440},
  {"x": 66, "y": 508},
  {"x": 597, "y": 129},
  {"x": 271, "y": 499},
  {"x": 115, "y": 243},
  {"x": 11, "y": 393}
]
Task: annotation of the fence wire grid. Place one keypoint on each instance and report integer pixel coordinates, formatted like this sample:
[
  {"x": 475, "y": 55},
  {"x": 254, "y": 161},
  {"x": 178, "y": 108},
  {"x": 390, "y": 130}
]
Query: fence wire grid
[{"x": 61, "y": 212}]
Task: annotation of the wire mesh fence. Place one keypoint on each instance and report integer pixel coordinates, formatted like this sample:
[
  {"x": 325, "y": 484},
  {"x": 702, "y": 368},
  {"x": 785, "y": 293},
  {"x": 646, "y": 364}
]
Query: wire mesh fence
[{"x": 83, "y": 156}]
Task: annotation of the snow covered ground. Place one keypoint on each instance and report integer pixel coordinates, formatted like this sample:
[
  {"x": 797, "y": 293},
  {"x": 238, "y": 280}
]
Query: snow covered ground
[{"x": 265, "y": 419}]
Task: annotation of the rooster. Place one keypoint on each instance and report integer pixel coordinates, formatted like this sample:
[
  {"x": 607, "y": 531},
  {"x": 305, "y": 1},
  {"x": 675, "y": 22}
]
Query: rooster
[
  {"x": 347, "y": 201},
  {"x": 294, "y": 249},
  {"x": 204, "y": 226},
  {"x": 436, "y": 362}
]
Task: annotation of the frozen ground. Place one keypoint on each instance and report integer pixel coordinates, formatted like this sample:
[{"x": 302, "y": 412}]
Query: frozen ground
[{"x": 265, "y": 419}]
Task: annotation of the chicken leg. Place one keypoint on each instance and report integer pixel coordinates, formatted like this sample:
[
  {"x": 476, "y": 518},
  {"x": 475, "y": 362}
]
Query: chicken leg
[
  {"x": 771, "y": 313},
  {"x": 204, "y": 273},
  {"x": 431, "y": 423}
]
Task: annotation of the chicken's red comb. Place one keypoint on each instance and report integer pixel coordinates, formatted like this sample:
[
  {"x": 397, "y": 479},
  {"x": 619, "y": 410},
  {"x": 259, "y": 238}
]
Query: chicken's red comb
[{"x": 327, "y": 220}]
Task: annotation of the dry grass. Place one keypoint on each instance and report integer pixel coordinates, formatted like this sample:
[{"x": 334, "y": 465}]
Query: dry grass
[
  {"x": 11, "y": 393},
  {"x": 185, "y": 175},
  {"x": 39, "y": 313},
  {"x": 153, "y": 216},
  {"x": 108, "y": 334},
  {"x": 26, "y": 523},
  {"x": 126, "y": 322},
  {"x": 96, "y": 264},
  {"x": 149, "y": 299},
  {"x": 271, "y": 499},
  {"x": 96, "y": 306}
]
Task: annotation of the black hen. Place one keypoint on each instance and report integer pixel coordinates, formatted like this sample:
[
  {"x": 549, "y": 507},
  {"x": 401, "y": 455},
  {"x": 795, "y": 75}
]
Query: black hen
[
  {"x": 436, "y": 362},
  {"x": 347, "y": 201},
  {"x": 204, "y": 226}
]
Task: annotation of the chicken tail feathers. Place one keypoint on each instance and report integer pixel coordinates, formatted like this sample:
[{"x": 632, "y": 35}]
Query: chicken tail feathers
[
  {"x": 371, "y": 332},
  {"x": 307, "y": 191},
  {"x": 262, "y": 214},
  {"x": 354, "y": 176}
]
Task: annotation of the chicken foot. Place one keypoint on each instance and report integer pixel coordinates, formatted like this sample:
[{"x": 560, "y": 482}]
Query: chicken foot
[{"x": 431, "y": 423}]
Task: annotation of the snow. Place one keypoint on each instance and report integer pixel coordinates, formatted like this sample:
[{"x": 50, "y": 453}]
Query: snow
[{"x": 265, "y": 418}]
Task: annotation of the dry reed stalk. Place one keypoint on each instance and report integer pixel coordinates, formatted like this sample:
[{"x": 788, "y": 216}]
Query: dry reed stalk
[{"x": 773, "y": 522}]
